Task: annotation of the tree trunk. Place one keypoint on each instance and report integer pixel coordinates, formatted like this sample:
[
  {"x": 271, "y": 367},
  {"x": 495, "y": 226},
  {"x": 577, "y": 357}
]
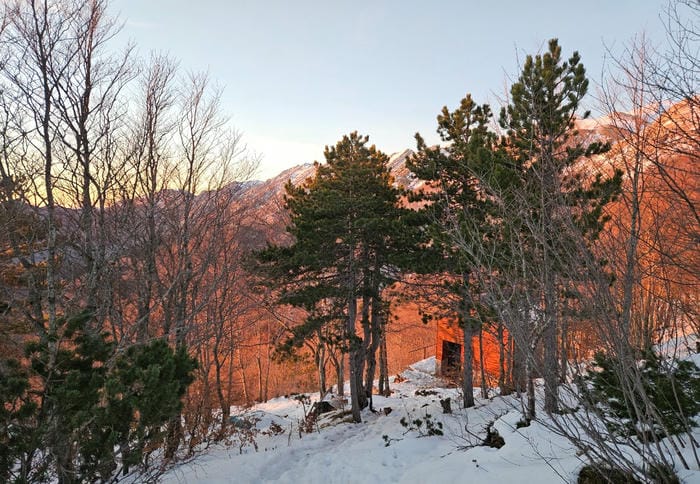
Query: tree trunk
[
  {"x": 355, "y": 352},
  {"x": 338, "y": 364},
  {"x": 223, "y": 404},
  {"x": 468, "y": 367},
  {"x": 260, "y": 378},
  {"x": 484, "y": 384},
  {"x": 469, "y": 331},
  {"x": 340, "y": 374},
  {"x": 268, "y": 359},
  {"x": 229, "y": 383},
  {"x": 244, "y": 380},
  {"x": 510, "y": 355},
  {"x": 519, "y": 367},
  {"x": 502, "y": 364},
  {"x": 531, "y": 412},
  {"x": 321, "y": 364},
  {"x": 364, "y": 350},
  {"x": 550, "y": 342},
  {"x": 631, "y": 275},
  {"x": 383, "y": 367},
  {"x": 376, "y": 324},
  {"x": 564, "y": 355}
]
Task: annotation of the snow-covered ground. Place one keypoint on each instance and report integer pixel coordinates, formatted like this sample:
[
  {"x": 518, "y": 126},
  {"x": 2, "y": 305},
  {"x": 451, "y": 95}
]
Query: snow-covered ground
[{"x": 341, "y": 452}]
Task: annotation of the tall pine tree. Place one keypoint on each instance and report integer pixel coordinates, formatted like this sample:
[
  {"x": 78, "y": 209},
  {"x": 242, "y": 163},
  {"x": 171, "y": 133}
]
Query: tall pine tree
[
  {"x": 350, "y": 233},
  {"x": 558, "y": 206},
  {"x": 454, "y": 203}
]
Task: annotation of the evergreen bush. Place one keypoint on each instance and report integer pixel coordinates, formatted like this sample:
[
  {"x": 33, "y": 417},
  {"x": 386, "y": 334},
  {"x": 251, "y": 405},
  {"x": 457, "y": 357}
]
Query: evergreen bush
[
  {"x": 671, "y": 386},
  {"x": 87, "y": 410}
]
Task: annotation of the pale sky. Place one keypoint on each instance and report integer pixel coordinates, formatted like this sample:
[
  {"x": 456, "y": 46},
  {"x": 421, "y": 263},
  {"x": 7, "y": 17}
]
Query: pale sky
[{"x": 297, "y": 75}]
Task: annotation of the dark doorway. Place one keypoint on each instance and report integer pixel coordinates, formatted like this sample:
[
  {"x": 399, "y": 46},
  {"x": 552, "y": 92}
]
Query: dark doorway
[{"x": 451, "y": 358}]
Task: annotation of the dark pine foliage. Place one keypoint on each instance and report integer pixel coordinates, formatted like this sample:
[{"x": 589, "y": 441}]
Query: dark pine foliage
[
  {"x": 672, "y": 388},
  {"x": 559, "y": 210},
  {"x": 92, "y": 410},
  {"x": 456, "y": 208},
  {"x": 351, "y": 237}
]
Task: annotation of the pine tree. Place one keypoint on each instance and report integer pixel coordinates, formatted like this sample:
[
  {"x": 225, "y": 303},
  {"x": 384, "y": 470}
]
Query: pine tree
[
  {"x": 454, "y": 203},
  {"x": 669, "y": 388},
  {"x": 99, "y": 408},
  {"x": 350, "y": 234},
  {"x": 555, "y": 200}
]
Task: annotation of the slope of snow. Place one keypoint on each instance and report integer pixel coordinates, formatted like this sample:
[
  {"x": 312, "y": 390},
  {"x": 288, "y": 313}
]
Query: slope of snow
[{"x": 342, "y": 452}]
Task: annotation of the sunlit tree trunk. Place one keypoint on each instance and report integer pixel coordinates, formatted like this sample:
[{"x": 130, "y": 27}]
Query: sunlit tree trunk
[
  {"x": 482, "y": 369},
  {"x": 384, "y": 388}
]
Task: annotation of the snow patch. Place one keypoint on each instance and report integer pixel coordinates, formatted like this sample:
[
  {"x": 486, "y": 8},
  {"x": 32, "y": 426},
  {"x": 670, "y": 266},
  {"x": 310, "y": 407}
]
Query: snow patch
[{"x": 382, "y": 449}]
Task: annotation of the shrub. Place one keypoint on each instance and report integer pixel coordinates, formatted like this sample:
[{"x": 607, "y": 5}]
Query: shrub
[
  {"x": 99, "y": 408},
  {"x": 425, "y": 427},
  {"x": 671, "y": 386},
  {"x": 594, "y": 474},
  {"x": 17, "y": 433}
]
